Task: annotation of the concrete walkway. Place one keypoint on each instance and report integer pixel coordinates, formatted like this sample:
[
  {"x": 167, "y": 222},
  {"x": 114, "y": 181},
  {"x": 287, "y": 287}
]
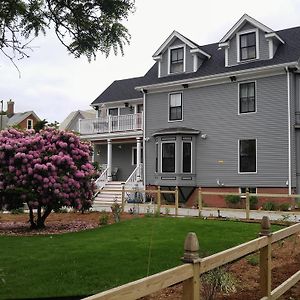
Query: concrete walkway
[{"x": 208, "y": 212}]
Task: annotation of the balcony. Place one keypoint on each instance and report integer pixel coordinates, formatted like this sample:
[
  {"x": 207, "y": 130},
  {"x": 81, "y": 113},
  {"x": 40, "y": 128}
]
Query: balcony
[{"x": 111, "y": 124}]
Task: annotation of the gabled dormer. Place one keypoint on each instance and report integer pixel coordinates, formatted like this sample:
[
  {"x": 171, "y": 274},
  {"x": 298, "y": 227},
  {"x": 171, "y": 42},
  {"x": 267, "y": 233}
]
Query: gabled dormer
[
  {"x": 179, "y": 55},
  {"x": 249, "y": 40}
]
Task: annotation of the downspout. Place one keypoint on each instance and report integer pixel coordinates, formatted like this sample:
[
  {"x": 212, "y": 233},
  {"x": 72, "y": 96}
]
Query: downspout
[
  {"x": 144, "y": 137},
  {"x": 289, "y": 131}
]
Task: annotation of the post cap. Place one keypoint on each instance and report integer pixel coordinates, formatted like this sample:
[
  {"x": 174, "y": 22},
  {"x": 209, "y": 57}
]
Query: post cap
[
  {"x": 265, "y": 226},
  {"x": 191, "y": 248}
]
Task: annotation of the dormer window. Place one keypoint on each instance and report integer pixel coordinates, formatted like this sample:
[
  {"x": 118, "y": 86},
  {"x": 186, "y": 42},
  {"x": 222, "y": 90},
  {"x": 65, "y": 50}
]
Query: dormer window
[
  {"x": 176, "y": 60},
  {"x": 248, "y": 46}
]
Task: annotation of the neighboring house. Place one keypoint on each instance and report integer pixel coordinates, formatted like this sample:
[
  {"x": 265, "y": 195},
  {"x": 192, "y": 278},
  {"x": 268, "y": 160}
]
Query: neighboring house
[
  {"x": 223, "y": 116},
  {"x": 71, "y": 122},
  {"x": 22, "y": 120}
]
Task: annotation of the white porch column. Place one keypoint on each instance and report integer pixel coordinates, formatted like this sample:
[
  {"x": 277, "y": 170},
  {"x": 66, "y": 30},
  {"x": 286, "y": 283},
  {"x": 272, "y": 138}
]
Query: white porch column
[
  {"x": 138, "y": 156},
  {"x": 109, "y": 160}
]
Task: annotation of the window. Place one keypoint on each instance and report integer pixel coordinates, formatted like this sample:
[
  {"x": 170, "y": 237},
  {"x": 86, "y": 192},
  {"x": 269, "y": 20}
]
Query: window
[
  {"x": 134, "y": 156},
  {"x": 175, "y": 107},
  {"x": 247, "y": 97},
  {"x": 247, "y": 156},
  {"x": 247, "y": 46},
  {"x": 113, "y": 111},
  {"x": 186, "y": 157},
  {"x": 252, "y": 190},
  {"x": 29, "y": 123},
  {"x": 176, "y": 60},
  {"x": 168, "y": 157}
]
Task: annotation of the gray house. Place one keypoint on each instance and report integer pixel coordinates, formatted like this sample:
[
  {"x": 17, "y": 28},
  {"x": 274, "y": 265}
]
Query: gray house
[{"x": 220, "y": 116}]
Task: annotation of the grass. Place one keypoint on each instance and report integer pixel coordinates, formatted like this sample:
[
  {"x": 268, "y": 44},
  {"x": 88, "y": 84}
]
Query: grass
[{"x": 91, "y": 261}]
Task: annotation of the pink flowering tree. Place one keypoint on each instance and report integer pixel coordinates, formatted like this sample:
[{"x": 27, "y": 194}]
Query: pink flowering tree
[{"x": 46, "y": 170}]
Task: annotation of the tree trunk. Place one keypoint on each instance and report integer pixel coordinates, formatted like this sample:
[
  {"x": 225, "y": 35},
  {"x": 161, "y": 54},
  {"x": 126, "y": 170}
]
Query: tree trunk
[{"x": 39, "y": 223}]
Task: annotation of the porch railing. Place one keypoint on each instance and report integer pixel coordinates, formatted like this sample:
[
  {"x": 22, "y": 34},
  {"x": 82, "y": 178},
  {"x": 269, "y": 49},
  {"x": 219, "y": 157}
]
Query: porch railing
[
  {"x": 111, "y": 124},
  {"x": 102, "y": 179},
  {"x": 135, "y": 177}
]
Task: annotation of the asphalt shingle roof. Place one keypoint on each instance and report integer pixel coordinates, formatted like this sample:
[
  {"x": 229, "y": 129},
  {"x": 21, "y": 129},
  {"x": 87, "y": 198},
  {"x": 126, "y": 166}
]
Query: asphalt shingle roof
[{"x": 125, "y": 89}]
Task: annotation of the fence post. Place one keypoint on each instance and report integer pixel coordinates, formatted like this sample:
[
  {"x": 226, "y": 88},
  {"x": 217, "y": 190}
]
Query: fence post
[
  {"x": 247, "y": 205},
  {"x": 176, "y": 200},
  {"x": 191, "y": 286},
  {"x": 158, "y": 198},
  {"x": 265, "y": 260},
  {"x": 123, "y": 197},
  {"x": 200, "y": 201}
]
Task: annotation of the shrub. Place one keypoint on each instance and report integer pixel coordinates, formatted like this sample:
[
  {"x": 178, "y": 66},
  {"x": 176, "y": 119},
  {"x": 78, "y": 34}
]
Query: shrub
[
  {"x": 149, "y": 212},
  {"x": 284, "y": 206},
  {"x": 253, "y": 202},
  {"x": 269, "y": 206},
  {"x": 253, "y": 259},
  {"x": 116, "y": 209},
  {"x": 232, "y": 200},
  {"x": 103, "y": 219}
]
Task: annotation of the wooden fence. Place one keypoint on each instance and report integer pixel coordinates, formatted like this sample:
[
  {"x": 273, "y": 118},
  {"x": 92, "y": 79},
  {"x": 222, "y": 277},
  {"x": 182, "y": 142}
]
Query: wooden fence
[
  {"x": 159, "y": 192},
  {"x": 189, "y": 273}
]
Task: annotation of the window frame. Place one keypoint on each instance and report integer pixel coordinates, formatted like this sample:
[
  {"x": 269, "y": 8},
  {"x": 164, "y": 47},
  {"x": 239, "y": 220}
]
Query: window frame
[
  {"x": 239, "y": 97},
  {"x": 161, "y": 156},
  {"x": 156, "y": 157},
  {"x": 31, "y": 120},
  {"x": 109, "y": 108},
  {"x": 169, "y": 107},
  {"x": 191, "y": 162},
  {"x": 246, "y": 187},
  {"x": 238, "y": 43},
  {"x": 169, "y": 58},
  {"x": 239, "y": 156}
]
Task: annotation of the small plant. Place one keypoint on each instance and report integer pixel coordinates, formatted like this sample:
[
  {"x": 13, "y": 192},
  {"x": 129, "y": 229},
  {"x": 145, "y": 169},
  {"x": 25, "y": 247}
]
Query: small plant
[
  {"x": 157, "y": 213},
  {"x": 116, "y": 209},
  {"x": 149, "y": 212},
  {"x": 103, "y": 219},
  {"x": 232, "y": 200},
  {"x": 269, "y": 206},
  {"x": 253, "y": 259},
  {"x": 284, "y": 207},
  {"x": 217, "y": 280},
  {"x": 167, "y": 211},
  {"x": 253, "y": 200},
  {"x": 18, "y": 211}
]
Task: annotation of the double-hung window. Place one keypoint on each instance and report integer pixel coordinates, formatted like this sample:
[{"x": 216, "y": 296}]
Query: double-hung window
[
  {"x": 247, "y": 97},
  {"x": 175, "y": 107},
  {"x": 176, "y": 60},
  {"x": 247, "y": 156},
  {"x": 29, "y": 124},
  {"x": 168, "y": 157},
  {"x": 248, "y": 46},
  {"x": 186, "y": 157}
]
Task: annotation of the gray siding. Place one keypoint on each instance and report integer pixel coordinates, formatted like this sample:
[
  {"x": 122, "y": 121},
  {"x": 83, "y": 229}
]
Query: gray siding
[
  {"x": 188, "y": 56},
  {"x": 121, "y": 158},
  {"x": 214, "y": 111}
]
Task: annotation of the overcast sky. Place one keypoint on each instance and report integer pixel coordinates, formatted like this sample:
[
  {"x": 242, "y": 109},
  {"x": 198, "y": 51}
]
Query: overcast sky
[{"x": 53, "y": 83}]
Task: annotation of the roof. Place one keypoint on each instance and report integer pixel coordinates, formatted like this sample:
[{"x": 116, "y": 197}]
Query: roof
[
  {"x": 86, "y": 114},
  {"x": 125, "y": 89},
  {"x": 17, "y": 118}
]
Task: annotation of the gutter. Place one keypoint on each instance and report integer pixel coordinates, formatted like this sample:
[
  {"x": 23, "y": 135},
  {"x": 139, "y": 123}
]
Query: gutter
[{"x": 210, "y": 78}]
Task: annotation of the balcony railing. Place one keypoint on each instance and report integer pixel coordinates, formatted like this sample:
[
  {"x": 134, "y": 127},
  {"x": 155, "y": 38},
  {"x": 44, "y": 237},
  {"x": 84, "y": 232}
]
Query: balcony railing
[{"x": 111, "y": 124}]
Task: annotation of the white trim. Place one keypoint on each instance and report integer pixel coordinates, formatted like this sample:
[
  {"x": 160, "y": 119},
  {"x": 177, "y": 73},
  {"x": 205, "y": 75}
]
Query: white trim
[
  {"x": 213, "y": 79},
  {"x": 255, "y": 87},
  {"x": 195, "y": 62},
  {"x": 238, "y": 36},
  {"x": 289, "y": 133},
  {"x": 173, "y": 93},
  {"x": 156, "y": 156},
  {"x": 31, "y": 120},
  {"x": 271, "y": 48},
  {"x": 188, "y": 142},
  {"x": 169, "y": 58},
  {"x": 247, "y": 139},
  {"x": 197, "y": 50},
  {"x": 272, "y": 35},
  {"x": 226, "y": 57},
  {"x": 108, "y": 108},
  {"x": 180, "y": 37},
  {"x": 175, "y": 156},
  {"x": 114, "y": 103},
  {"x": 245, "y": 18},
  {"x": 159, "y": 68},
  {"x": 144, "y": 139}
]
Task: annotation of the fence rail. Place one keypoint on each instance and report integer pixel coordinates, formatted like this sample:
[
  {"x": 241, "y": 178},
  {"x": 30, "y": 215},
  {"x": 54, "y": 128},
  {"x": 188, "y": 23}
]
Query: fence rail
[{"x": 189, "y": 273}]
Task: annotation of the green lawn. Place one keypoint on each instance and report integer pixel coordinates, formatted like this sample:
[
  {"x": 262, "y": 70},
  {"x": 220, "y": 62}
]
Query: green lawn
[{"x": 91, "y": 261}]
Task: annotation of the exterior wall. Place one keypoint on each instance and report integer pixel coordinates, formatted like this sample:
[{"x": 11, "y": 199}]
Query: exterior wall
[
  {"x": 263, "y": 46},
  {"x": 297, "y": 130},
  {"x": 121, "y": 158},
  {"x": 165, "y": 59},
  {"x": 214, "y": 111},
  {"x": 23, "y": 124}
]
